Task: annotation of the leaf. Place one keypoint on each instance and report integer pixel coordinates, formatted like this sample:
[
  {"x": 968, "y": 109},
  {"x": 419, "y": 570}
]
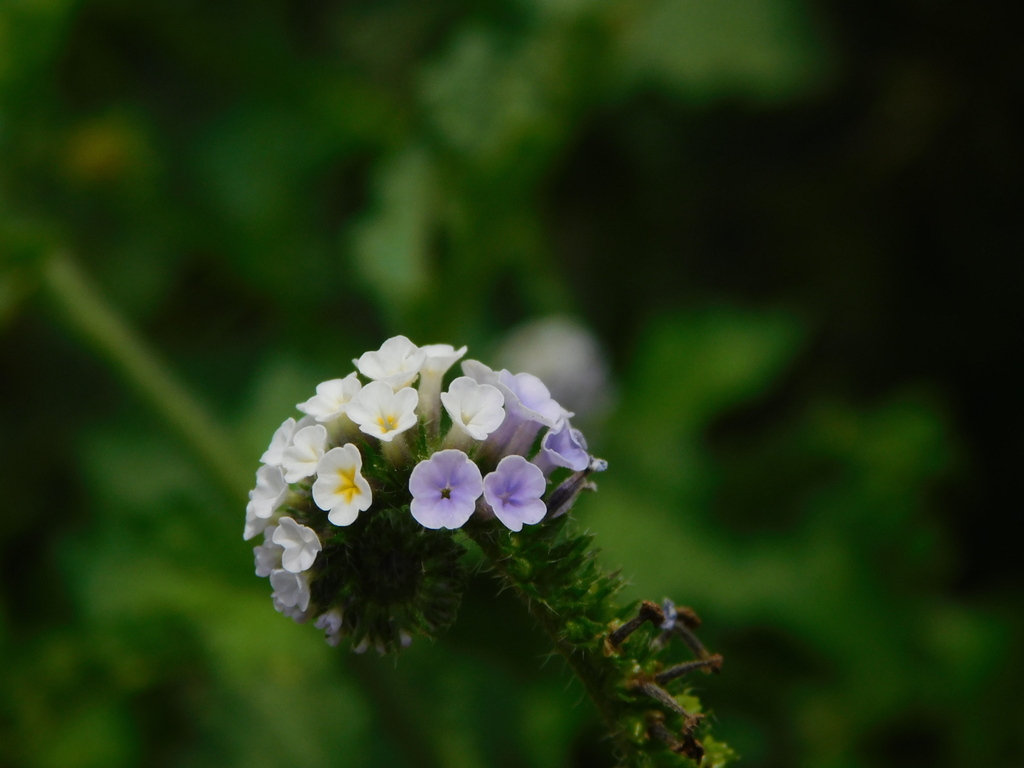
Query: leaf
[
  {"x": 763, "y": 49},
  {"x": 390, "y": 247},
  {"x": 691, "y": 367}
]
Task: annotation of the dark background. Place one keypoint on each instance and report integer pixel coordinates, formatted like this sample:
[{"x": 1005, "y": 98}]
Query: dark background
[{"x": 793, "y": 228}]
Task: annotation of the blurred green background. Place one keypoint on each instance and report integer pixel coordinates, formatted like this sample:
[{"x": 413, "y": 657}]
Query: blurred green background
[{"x": 792, "y": 226}]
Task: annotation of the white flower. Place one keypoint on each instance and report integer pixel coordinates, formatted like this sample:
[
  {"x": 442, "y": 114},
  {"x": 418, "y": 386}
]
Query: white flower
[
  {"x": 268, "y": 554},
  {"x": 294, "y": 613},
  {"x": 291, "y": 590},
  {"x": 381, "y": 412},
  {"x": 340, "y": 487},
  {"x": 281, "y": 440},
  {"x": 479, "y": 372},
  {"x": 264, "y": 499},
  {"x": 330, "y": 623},
  {"x": 331, "y": 398},
  {"x": 254, "y": 526},
  {"x": 301, "y": 458},
  {"x": 439, "y": 358},
  {"x": 396, "y": 363},
  {"x": 474, "y": 408},
  {"x": 300, "y": 543},
  {"x": 269, "y": 492},
  {"x": 528, "y": 408}
]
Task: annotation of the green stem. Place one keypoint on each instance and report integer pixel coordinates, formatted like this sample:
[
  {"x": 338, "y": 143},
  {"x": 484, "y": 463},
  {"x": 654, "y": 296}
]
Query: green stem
[
  {"x": 101, "y": 328},
  {"x": 585, "y": 665}
]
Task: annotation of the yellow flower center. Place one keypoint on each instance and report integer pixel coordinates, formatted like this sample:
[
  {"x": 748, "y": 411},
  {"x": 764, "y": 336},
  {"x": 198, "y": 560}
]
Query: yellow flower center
[{"x": 347, "y": 484}]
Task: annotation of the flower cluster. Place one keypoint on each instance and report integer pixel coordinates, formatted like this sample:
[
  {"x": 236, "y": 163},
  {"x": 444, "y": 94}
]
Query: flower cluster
[{"x": 356, "y": 500}]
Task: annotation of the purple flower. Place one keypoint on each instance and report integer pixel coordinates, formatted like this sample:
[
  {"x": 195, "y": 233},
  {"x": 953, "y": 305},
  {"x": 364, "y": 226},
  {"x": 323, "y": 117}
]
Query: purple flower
[
  {"x": 534, "y": 399},
  {"x": 529, "y": 408},
  {"x": 444, "y": 490},
  {"x": 513, "y": 491},
  {"x": 563, "y": 447}
]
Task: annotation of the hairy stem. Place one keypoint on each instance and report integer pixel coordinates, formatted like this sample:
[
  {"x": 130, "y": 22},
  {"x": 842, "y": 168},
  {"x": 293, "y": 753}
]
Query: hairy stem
[
  {"x": 581, "y": 665},
  {"x": 594, "y": 671},
  {"x": 615, "y": 651}
]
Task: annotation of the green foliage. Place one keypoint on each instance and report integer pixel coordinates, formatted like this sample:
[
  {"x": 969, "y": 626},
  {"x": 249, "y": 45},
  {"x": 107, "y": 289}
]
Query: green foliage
[
  {"x": 788, "y": 223},
  {"x": 390, "y": 249},
  {"x": 710, "y": 50}
]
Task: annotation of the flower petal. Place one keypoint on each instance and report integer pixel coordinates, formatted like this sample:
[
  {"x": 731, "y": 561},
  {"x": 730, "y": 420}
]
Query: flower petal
[{"x": 445, "y": 488}]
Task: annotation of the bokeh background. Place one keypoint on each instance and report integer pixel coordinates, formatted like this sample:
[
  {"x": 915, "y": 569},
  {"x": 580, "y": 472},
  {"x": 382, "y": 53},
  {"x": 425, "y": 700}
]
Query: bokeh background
[{"x": 777, "y": 241}]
